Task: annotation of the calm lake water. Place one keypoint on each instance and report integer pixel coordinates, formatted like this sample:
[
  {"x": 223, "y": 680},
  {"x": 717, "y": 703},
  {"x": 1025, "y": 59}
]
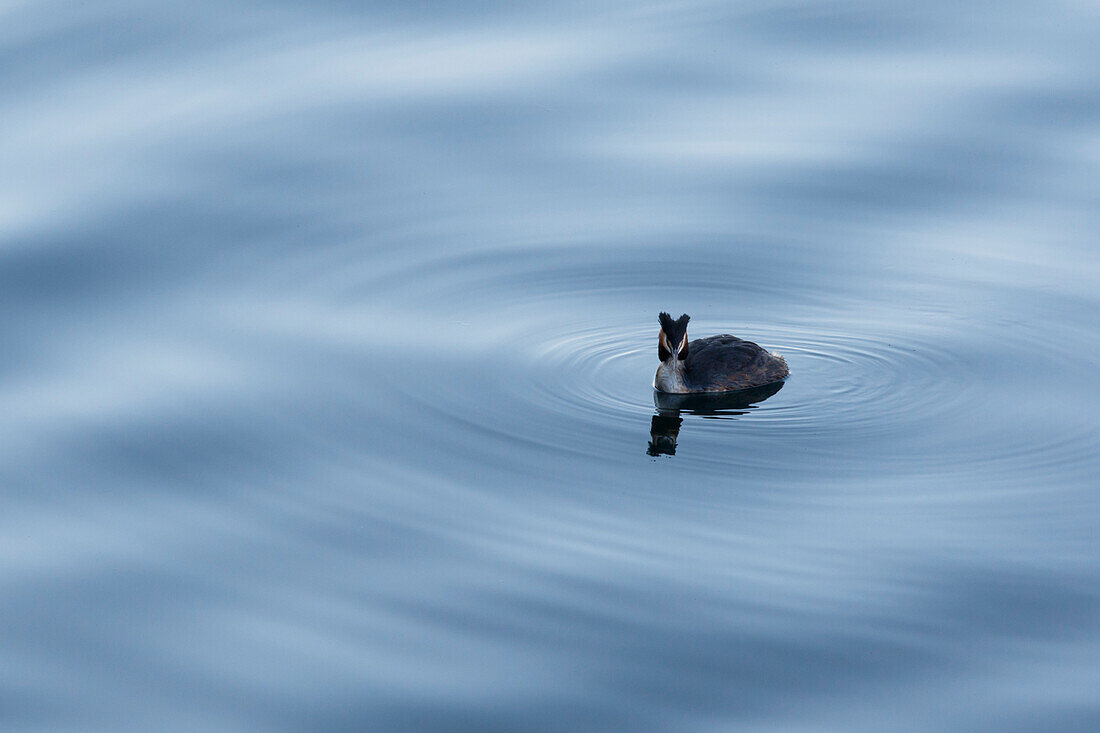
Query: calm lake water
[{"x": 330, "y": 332}]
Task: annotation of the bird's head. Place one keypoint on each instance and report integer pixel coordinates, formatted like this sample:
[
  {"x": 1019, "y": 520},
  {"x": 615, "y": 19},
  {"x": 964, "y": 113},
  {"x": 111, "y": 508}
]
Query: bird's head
[{"x": 672, "y": 343}]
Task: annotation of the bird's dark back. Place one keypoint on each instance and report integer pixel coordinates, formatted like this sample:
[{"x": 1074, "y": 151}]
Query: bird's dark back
[{"x": 727, "y": 362}]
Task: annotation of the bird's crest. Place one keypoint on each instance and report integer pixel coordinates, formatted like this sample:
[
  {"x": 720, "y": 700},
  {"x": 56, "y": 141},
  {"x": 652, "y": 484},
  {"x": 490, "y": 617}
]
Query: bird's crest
[{"x": 674, "y": 329}]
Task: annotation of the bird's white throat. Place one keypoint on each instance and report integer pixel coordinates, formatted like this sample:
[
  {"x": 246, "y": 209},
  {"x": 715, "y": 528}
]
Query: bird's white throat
[{"x": 670, "y": 376}]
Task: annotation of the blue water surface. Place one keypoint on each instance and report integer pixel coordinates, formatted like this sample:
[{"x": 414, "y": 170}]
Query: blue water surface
[{"x": 330, "y": 330}]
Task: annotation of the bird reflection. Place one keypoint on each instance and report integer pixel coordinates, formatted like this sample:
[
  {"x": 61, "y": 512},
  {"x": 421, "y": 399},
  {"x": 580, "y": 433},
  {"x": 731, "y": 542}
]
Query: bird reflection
[{"x": 665, "y": 426}]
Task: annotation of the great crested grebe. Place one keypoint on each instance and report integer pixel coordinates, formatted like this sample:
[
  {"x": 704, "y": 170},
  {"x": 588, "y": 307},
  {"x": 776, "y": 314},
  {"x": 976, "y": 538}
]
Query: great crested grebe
[{"x": 713, "y": 364}]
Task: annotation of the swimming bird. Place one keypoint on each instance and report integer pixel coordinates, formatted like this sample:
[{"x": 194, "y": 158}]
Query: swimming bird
[{"x": 713, "y": 364}]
